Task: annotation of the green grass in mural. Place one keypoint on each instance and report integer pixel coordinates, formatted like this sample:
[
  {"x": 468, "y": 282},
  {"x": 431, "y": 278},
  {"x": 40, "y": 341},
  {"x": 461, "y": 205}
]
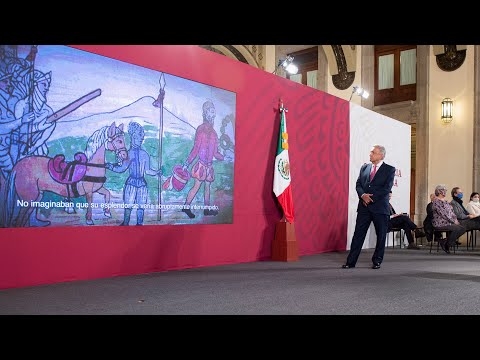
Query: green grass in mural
[{"x": 175, "y": 151}]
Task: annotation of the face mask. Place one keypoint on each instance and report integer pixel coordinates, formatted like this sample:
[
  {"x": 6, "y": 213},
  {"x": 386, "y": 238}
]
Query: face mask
[
  {"x": 475, "y": 200},
  {"x": 460, "y": 195}
]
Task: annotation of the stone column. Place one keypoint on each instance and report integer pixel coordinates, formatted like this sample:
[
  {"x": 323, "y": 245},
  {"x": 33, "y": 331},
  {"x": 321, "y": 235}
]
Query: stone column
[
  {"x": 269, "y": 58},
  {"x": 368, "y": 74},
  {"x": 422, "y": 138},
  {"x": 322, "y": 73},
  {"x": 476, "y": 120}
]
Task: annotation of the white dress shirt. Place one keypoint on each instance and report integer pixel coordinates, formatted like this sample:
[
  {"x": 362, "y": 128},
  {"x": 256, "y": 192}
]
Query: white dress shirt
[{"x": 378, "y": 166}]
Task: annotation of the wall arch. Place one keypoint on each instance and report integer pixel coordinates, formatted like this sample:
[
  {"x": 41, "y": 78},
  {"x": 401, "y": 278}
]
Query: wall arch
[{"x": 237, "y": 52}]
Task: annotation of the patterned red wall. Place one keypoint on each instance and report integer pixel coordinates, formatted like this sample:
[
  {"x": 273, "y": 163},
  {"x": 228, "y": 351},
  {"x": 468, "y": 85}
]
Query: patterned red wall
[{"x": 318, "y": 127}]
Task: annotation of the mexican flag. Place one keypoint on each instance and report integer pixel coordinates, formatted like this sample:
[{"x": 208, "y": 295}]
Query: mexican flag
[{"x": 281, "y": 176}]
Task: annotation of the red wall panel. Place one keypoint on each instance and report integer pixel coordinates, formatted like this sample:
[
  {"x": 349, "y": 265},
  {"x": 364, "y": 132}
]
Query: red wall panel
[{"x": 318, "y": 127}]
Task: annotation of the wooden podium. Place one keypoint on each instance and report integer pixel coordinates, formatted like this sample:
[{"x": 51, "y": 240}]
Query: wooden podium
[{"x": 284, "y": 246}]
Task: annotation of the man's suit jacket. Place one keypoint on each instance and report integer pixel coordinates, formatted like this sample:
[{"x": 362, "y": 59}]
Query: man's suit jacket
[
  {"x": 380, "y": 187},
  {"x": 459, "y": 210},
  {"x": 392, "y": 210},
  {"x": 395, "y": 221}
]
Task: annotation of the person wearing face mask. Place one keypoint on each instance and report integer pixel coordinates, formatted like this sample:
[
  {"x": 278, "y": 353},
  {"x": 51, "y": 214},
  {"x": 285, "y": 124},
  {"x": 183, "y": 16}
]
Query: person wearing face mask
[
  {"x": 473, "y": 207},
  {"x": 467, "y": 220},
  {"x": 444, "y": 218}
]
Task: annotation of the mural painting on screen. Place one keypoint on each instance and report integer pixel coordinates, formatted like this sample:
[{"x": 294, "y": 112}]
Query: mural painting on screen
[{"x": 90, "y": 140}]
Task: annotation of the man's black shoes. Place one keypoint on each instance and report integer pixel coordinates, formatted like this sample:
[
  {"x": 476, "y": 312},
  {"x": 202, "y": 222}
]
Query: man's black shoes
[{"x": 346, "y": 266}]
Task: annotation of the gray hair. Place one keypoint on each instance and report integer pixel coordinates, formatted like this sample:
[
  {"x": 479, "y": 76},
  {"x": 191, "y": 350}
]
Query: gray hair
[
  {"x": 382, "y": 150},
  {"x": 440, "y": 189}
]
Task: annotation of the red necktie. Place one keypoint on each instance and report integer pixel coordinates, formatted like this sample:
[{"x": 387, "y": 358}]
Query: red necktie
[{"x": 372, "y": 174}]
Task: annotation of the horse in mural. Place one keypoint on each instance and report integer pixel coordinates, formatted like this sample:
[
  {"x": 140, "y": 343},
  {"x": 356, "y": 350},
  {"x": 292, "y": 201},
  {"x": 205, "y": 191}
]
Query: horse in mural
[{"x": 34, "y": 175}]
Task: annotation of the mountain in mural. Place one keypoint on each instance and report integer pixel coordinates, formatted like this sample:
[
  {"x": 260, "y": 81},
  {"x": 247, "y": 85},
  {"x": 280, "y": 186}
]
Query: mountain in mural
[{"x": 141, "y": 111}]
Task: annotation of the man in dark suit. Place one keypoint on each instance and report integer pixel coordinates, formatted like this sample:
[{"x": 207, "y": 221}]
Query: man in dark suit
[
  {"x": 373, "y": 187},
  {"x": 402, "y": 221}
]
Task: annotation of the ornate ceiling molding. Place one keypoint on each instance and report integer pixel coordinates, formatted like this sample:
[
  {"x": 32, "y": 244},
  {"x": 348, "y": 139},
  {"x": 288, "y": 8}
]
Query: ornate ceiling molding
[
  {"x": 344, "y": 79},
  {"x": 237, "y": 52}
]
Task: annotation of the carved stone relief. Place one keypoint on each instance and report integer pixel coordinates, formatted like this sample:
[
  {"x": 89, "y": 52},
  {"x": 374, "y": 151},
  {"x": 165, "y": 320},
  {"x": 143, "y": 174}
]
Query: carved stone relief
[
  {"x": 211, "y": 48},
  {"x": 232, "y": 51},
  {"x": 451, "y": 59},
  {"x": 344, "y": 79}
]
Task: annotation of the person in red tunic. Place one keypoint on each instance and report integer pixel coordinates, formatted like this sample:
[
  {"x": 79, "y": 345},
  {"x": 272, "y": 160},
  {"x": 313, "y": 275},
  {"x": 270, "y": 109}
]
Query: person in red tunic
[{"x": 205, "y": 148}]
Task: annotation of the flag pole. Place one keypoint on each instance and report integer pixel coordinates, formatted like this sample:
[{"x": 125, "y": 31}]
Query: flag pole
[
  {"x": 29, "y": 136},
  {"x": 159, "y": 104},
  {"x": 284, "y": 244}
]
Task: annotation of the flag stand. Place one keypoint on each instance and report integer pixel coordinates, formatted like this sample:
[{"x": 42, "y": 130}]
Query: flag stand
[{"x": 284, "y": 245}]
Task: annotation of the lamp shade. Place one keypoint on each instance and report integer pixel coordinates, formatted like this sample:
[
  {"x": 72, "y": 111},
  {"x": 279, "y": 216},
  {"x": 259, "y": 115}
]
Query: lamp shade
[{"x": 447, "y": 110}]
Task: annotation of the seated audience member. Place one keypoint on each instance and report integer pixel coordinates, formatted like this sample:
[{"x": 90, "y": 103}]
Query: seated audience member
[
  {"x": 473, "y": 207},
  {"x": 445, "y": 219},
  {"x": 467, "y": 220},
  {"x": 427, "y": 223},
  {"x": 402, "y": 221}
]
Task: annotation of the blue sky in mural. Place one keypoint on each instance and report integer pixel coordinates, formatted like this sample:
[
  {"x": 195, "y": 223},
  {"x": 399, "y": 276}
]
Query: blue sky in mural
[{"x": 127, "y": 92}]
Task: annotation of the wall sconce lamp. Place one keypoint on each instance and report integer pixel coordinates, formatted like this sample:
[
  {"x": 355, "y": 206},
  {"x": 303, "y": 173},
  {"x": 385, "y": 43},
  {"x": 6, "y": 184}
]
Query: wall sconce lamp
[
  {"x": 287, "y": 65},
  {"x": 447, "y": 110},
  {"x": 360, "y": 92}
]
